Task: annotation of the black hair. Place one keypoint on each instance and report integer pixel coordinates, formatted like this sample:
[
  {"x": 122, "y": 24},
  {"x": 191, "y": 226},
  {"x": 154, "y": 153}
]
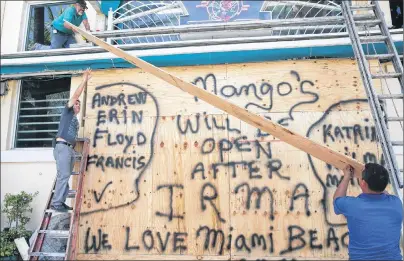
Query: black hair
[
  {"x": 376, "y": 176},
  {"x": 82, "y": 3}
]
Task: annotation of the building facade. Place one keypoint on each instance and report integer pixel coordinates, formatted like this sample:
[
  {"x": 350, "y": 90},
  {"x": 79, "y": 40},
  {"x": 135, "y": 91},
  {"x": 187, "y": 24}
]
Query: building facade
[{"x": 169, "y": 174}]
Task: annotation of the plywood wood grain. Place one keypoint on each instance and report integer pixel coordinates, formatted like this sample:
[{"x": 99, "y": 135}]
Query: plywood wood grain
[{"x": 172, "y": 177}]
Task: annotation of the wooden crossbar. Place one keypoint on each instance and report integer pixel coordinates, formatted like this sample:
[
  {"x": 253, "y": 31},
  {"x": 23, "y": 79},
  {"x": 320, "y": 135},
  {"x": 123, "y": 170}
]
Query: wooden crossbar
[{"x": 317, "y": 150}]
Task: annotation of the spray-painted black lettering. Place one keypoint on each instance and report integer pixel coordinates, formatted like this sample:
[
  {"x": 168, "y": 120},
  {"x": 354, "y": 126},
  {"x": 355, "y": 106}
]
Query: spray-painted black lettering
[
  {"x": 313, "y": 239},
  {"x": 241, "y": 244},
  {"x": 259, "y": 192},
  {"x": 101, "y": 239},
  {"x": 119, "y": 162},
  {"x": 188, "y": 125},
  {"x": 331, "y": 237},
  {"x": 127, "y": 247},
  {"x": 305, "y": 194},
  {"x": 170, "y": 188},
  {"x": 178, "y": 243},
  {"x": 295, "y": 240},
  {"x": 204, "y": 197},
  {"x": 163, "y": 245},
  {"x": 215, "y": 236},
  {"x": 98, "y": 198},
  {"x": 148, "y": 240}
]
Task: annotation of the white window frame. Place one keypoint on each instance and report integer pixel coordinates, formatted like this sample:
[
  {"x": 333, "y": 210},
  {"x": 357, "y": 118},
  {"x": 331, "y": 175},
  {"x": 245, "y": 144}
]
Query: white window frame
[{"x": 12, "y": 141}]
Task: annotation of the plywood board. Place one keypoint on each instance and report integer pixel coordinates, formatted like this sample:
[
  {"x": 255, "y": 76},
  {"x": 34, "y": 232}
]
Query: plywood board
[{"x": 184, "y": 180}]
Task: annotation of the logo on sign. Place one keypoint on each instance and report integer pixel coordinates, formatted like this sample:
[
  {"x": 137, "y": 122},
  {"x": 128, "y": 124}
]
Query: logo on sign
[{"x": 223, "y": 10}]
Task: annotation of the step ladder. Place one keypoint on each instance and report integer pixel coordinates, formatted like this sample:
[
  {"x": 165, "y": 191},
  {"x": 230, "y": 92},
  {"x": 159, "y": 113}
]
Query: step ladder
[
  {"x": 391, "y": 149},
  {"x": 35, "y": 250}
]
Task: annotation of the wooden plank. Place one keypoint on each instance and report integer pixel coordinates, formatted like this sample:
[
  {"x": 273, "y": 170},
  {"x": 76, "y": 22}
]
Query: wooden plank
[
  {"x": 187, "y": 257},
  {"x": 304, "y": 82},
  {"x": 323, "y": 153},
  {"x": 22, "y": 247},
  {"x": 180, "y": 146},
  {"x": 149, "y": 257}
]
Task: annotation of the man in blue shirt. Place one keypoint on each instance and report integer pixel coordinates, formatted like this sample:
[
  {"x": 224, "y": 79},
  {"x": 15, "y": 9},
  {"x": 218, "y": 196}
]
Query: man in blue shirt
[
  {"x": 62, "y": 35},
  {"x": 374, "y": 217}
]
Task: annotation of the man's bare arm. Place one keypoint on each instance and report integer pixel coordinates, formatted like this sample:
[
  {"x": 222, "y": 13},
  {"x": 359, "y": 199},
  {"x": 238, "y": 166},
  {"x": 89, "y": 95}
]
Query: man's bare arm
[
  {"x": 343, "y": 186},
  {"x": 86, "y": 24},
  {"x": 67, "y": 26},
  {"x": 83, "y": 84}
]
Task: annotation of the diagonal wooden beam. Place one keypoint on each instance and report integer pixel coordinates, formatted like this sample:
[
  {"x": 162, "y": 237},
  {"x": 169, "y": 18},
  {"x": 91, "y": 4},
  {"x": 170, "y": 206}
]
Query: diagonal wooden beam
[{"x": 317, "y": 150}]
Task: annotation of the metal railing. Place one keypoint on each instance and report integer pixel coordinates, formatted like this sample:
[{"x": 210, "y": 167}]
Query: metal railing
[
  {"x": 139, "y": 22},
  {"x": 144, "y": 14},
  {"x": 38, "y": 121}
]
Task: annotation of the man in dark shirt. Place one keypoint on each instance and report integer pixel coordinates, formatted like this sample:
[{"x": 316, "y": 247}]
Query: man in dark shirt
[
  {"x": 374, "y": 217},
  {"x": 65, "y": 140}
]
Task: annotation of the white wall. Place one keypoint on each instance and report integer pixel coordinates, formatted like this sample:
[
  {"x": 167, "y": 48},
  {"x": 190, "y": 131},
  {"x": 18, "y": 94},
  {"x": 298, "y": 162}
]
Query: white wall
[
  {"x": 2, "y": 8},
  {"x": 12, "y": 19},
  {"x": 385, "y": 6},
  {"x": 91, "y": 15},
  {"x": 28, "y": 177},
  {"x": 28, "y": 170}
]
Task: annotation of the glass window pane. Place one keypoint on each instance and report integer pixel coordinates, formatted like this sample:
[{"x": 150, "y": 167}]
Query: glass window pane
[{"x": 41, "y": 103}]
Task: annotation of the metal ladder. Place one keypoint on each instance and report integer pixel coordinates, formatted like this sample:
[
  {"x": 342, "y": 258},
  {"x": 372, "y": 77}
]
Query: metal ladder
[
  {"x": 35, "y": 250},
  {"x": 379, "y": 113}
]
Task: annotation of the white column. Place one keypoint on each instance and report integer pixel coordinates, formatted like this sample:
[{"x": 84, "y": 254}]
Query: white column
[
  {"x": 110, "y": 25},
  {"x": 385, "y": 6}
]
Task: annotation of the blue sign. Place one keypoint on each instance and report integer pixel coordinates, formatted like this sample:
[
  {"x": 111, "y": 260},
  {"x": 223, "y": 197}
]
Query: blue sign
[
  {"x": 223, "y": 11},
  {"x": 106, "y": 5}
]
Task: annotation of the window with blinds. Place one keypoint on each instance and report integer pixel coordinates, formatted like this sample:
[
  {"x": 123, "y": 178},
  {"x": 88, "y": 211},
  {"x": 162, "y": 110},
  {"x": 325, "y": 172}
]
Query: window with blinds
[{"x": 40, "y": 106}]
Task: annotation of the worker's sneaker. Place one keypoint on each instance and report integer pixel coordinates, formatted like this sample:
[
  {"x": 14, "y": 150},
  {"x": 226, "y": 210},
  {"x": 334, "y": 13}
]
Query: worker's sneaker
[
  {"x": 38, "y": 46},
  {"x": 66, "y": 206},
  {"x": 59, "y": 208}
]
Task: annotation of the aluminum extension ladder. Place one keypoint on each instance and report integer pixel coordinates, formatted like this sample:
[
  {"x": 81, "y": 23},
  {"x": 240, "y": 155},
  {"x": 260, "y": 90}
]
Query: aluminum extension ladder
[
  {"x": 35, "y": 250},
  {"x": 379, "y": 112}
]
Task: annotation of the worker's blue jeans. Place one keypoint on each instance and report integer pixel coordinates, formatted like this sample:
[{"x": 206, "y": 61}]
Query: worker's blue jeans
[
  {"x": 58, "y": 40},
  {"x": 64, "y": 156}
]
